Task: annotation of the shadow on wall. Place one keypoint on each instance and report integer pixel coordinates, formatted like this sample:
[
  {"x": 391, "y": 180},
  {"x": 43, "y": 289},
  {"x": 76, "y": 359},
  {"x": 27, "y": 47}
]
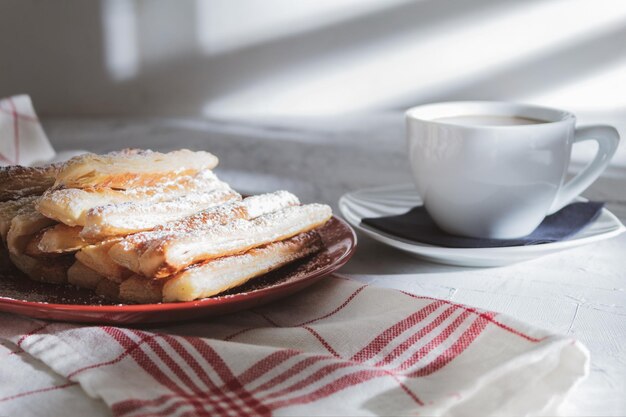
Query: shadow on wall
[
  {"x": 53, "y": 52},
  {"x": 139, "y": 57}
]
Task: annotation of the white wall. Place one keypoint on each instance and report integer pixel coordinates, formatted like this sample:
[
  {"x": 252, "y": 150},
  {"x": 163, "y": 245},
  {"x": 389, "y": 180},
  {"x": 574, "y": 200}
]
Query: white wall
[{"x": 275, "y": 58}]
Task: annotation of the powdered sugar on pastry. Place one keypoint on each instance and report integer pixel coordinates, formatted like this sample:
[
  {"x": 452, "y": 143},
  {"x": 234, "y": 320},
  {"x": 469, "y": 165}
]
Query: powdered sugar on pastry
[
  {"x": 128, "y": 251},
  {"x": 170, "y": 254},
  {"x": 70, "y": 205},
  {"x": 139, "y": 169},
  {"x": 216, "y": 276},
  {"x": 19, "y": 181},
  {"x": 219, "y": 275},
  {"x": 149, "y": 226},
  {"x": 132, "y": 217}
]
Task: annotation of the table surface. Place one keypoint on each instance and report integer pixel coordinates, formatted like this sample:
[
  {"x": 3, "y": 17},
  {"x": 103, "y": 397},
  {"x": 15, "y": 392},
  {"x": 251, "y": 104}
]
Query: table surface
[{"x": 579, "y": 292}]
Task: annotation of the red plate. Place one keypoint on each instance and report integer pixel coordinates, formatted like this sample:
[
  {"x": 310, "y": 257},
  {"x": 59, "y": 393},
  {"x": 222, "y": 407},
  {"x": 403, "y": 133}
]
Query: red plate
[{"x": 46, "y": 301}]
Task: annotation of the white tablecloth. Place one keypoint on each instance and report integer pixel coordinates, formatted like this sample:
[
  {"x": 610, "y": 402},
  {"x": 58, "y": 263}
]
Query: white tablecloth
[{"x": 579, "y": 292}]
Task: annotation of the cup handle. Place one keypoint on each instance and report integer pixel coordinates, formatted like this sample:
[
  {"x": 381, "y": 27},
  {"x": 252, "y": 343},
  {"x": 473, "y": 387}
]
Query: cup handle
[{"x": 608, "y": 139}]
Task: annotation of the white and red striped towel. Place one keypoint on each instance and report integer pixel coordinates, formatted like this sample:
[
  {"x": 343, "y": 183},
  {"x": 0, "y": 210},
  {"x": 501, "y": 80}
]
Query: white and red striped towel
[
  {"x": 22, "y": 139},
  {"x": 338, "y": 348}
]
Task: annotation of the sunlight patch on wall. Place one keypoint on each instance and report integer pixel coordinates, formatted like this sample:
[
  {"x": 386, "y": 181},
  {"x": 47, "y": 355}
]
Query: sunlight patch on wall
[
  {"x": 603, "y": 91},
  {"x": 120, "y": 38},
  {"x": 226, "y": 25},
  {"x": 423, "y": 62}
]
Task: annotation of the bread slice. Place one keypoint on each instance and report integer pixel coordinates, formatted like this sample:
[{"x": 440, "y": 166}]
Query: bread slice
[
  {"x": 169, "y": 254},
  {"x": 125, "y": 171},
  {"x": 71, "y": 205},
  {"x": 216, "y": 276}
]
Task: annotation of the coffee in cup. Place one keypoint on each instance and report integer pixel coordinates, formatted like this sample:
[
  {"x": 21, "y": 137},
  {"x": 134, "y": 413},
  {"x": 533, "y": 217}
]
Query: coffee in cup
[{"x": 489, "y": 120}]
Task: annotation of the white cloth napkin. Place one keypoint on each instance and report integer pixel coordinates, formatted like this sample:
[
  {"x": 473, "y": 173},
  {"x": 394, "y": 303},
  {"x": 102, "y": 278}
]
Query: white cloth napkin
[
  {"x": 338, "y": 348},
  {"x": 22, "y": 139}
]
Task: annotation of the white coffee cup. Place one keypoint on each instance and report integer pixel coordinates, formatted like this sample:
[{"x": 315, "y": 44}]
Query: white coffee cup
[{"x": 479, "y": 178}]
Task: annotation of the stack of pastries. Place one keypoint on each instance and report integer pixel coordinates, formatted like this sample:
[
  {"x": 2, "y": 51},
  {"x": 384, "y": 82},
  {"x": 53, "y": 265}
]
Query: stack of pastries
[{"x": 141, "y": 227}]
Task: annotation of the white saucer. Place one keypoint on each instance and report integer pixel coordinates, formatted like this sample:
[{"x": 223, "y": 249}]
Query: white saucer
[{"x": 398, "y": 199}]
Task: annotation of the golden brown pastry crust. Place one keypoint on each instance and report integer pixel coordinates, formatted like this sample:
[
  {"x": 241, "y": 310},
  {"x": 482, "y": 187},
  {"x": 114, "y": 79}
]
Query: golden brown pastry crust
[
  {"x": 82, "y": 276},
  {"x": 72, "y": 205},
  {"x": 18, "y": 181},
  {"x": 141, "y": 290},
  {"x": 166, "y": 255},
  {"x": 9, "y": 209},
  {"x": 186, "y": 231},
  {"x": 140, "y": 169},
  {"x": 26, "y": 223},
  {"x": 97, "y": 258},
  {"x": 53, "y": 271},
  {"x": 58, "y": 239},
  {"x": 132, "y": 247},
  {"x": 216, "y": 276},
  {"x": 132, "y": 217}
]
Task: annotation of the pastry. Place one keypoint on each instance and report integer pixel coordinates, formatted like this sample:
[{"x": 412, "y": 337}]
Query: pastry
[
  {"x": 82, "y": 276},
  {"x": 141, "y": 290},
  {"x": 132, "y": 217},
  {"x": 71, "y": 205},
  {"x": 166, "y": 255},
  {"x": 18, "y": 181},
  {"x": 53, "y": 271},
  {"x": 216, "y": 276},
  {"x": 144, "y": 226},
  {"x": 125, "y": 171},
  {"x": 26, "y": 223},
  {"x": 129, "y": 251},
  {"x": 9, "y": 209},
  {"x": 56, "y": 239},
  {"x": 97, "y": 258}
]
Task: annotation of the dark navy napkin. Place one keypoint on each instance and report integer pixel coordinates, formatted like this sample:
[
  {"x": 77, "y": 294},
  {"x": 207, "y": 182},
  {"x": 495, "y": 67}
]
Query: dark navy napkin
[{"x": 417, "y": 225}]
